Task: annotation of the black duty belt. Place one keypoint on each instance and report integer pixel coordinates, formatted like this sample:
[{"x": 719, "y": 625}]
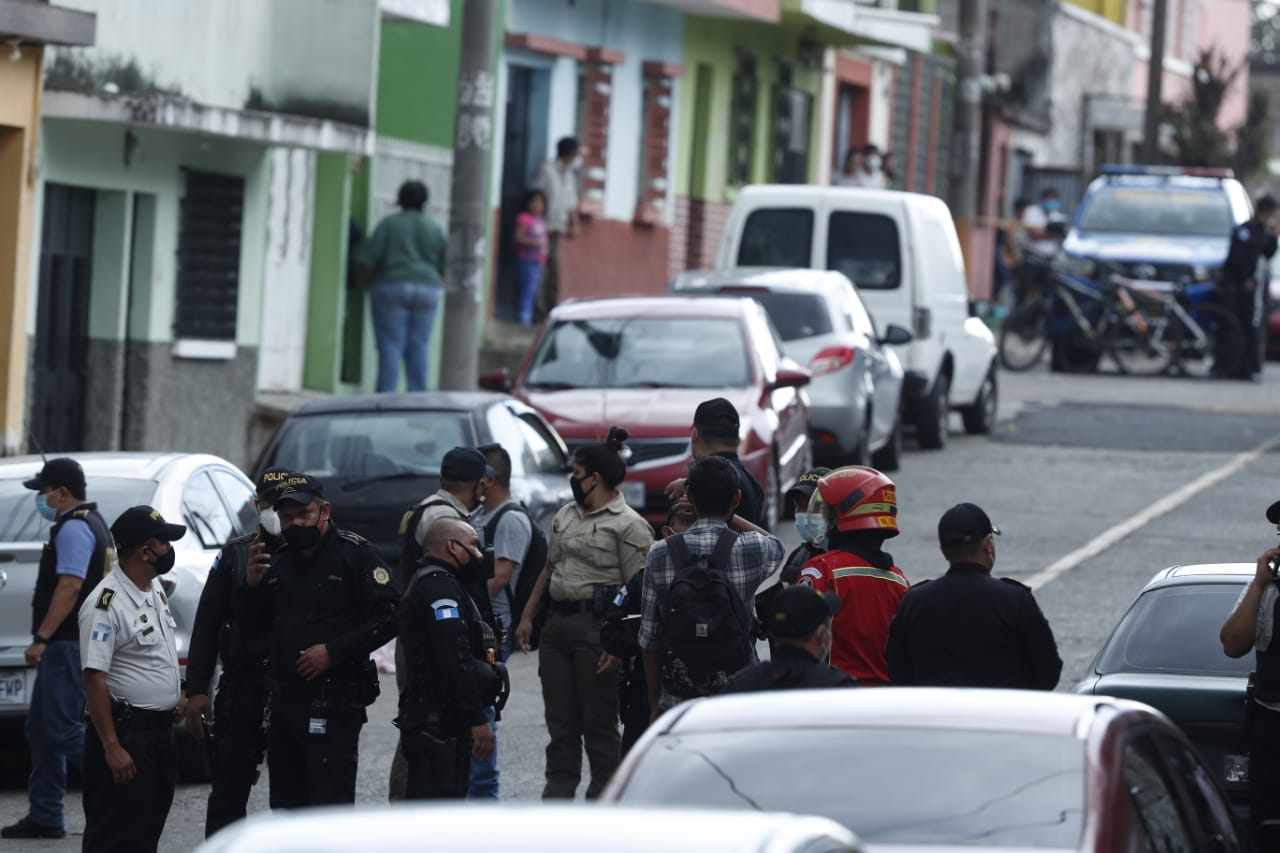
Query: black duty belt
[
  {"x": 570, "y": 608},
  {"x": 141, "y": 718}
]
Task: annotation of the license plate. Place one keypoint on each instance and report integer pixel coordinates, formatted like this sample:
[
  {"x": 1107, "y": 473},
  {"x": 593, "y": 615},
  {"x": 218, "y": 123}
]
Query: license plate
[
  {"x": 13, "y": 687},
  {"x": 1236, "y": 769},
  {"x": 633, "y": 493}
]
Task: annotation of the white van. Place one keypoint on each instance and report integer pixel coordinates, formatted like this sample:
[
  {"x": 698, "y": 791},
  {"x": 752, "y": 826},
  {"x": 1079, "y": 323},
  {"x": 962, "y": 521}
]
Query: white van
[{"x": 901, "y": 251}]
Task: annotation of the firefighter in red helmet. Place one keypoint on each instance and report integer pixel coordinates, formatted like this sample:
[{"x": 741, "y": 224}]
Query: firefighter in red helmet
[{"x": 858, "y": 509}]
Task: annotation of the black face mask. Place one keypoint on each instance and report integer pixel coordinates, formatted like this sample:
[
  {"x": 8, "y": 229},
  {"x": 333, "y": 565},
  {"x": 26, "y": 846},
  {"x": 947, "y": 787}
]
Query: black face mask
[
  {"x": 579, "y": 495},
  {"x": 301, "y": 538},
  {"x": 164, "y": 562},
  {"x": 475, "y": 569}
]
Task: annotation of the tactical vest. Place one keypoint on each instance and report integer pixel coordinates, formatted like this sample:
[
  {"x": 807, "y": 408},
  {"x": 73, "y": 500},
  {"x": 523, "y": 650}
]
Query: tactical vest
[
  {"x": 47, "y": 577},
  {"x": 1266, "y": 679}
]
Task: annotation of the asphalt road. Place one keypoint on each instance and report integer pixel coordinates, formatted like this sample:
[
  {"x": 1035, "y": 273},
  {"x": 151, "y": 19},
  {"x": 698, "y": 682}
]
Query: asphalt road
[{"x": 1096, "y": 482}]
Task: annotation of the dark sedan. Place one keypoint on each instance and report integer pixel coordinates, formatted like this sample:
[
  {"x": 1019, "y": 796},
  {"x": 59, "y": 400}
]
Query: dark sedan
[
  {"x": 377, "y": 454},
  {"x": 1166, "y": 652}
]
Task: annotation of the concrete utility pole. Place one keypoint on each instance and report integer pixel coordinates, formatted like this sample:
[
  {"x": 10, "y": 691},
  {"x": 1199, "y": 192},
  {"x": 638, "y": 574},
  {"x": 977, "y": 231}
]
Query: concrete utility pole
[
  {"x": 469, "y": 197},
  {"x": 1155, "y": 78},
  {"x": 968, "y": 111}
]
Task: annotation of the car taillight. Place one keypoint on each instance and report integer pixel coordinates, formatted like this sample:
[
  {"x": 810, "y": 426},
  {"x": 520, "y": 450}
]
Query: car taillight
[{"x": 831, "y": 359}]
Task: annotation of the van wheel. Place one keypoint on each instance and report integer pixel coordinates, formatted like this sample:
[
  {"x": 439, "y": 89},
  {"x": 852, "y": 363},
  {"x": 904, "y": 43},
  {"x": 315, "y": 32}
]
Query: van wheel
[
  {"x": 889, "y": 457},
  {"x": 933, "y": 415},
  {"x": 980, "y": 418}
]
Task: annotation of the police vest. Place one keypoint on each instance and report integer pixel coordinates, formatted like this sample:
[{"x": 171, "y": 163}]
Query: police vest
[
  {"x": 1266, "y": 679},
  {"x": 47, "y": 576}
]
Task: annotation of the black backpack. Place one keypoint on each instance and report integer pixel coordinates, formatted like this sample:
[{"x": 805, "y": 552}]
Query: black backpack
[
  {"x": 706, "y": 629},
  {"x": 410, "y": 550},
  {"x": 535, "y": 559}
]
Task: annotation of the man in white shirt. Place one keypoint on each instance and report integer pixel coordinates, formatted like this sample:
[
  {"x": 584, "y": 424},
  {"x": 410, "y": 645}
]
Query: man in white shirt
[
  {"x": 558, "y": 180},
  {"x": 129, "y": 654},
  {"x": 1037, "y": 218}
]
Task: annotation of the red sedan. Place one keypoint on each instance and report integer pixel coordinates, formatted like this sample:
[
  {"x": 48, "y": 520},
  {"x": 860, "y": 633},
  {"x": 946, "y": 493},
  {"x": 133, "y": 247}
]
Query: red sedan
[
  {"x": 645, "y": 364},
  {"x": 916, "y": 769}
]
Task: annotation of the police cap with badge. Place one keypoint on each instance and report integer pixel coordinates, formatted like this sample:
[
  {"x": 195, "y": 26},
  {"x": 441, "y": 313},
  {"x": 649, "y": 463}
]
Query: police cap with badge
[{"x": 137, "y": 524}]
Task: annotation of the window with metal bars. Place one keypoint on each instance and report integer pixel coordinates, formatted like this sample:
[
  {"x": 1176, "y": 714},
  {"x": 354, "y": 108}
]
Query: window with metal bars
[{"x": 209, "y": 233}]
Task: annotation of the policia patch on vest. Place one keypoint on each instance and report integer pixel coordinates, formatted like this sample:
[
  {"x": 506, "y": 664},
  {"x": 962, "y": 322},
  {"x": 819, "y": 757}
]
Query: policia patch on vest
[{"x": 104, "y": 599}]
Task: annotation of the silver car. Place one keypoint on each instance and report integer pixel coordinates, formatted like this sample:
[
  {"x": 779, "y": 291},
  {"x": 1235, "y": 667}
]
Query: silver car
[
  {"x": 212, "y": 497},
  {"x": 856, "y": 392},
  {"x": 532, "y": 828}
]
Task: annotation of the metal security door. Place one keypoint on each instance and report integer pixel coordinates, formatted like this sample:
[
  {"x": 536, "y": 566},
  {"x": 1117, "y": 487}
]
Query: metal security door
[{"x": 62, "y": 320}]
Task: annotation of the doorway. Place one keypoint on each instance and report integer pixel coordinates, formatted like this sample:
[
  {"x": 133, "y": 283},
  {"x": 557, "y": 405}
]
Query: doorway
[
  {"x": 62, "y": 319},
  {"x": 853, "y": 119},
  {"x": 524, "y": 150}
]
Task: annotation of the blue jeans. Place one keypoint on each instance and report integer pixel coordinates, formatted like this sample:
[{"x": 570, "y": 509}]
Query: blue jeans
[
  {"x": 484, "y": 773},
  {"x": 55, "y": 731},
  {"x": 404, "y": 313},
  {"x": 529, "y": 276}
]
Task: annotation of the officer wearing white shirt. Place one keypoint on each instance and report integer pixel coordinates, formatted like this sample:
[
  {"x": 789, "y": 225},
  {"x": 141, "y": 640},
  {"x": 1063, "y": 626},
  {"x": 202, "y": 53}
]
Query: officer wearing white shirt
[{"x": 128, "y": 652}]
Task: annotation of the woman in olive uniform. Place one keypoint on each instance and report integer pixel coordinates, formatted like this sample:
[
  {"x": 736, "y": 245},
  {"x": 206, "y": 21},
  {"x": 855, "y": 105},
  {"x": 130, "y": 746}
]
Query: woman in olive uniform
[{"x": 597, "y": 544}]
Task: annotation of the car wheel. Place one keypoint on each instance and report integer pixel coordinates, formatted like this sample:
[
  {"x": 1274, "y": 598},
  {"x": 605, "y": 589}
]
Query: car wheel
[
  {"x": 933, "y": 415},
  {"x": 980, "y": 418},
  {"x": 193, "y": 766},
  {"x": 889, "y": 457}
]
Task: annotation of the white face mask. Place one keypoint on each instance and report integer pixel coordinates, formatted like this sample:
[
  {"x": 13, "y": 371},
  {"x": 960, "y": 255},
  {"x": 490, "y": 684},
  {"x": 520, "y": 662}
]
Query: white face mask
[
  {"x": 270, "y": 521},
  {"x": 873, "y": 163}
]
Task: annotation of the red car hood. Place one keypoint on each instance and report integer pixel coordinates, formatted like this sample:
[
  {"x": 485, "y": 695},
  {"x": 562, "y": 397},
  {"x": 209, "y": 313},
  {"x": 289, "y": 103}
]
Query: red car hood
[{"x": 643, "y": 412}]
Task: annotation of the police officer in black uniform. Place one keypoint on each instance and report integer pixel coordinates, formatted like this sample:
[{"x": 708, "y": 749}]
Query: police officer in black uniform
[
  {"x": 1243, "y": 293},
  {"x": 452, "y": 676},
  {"x": 327, "y": 600},
  {"x": 79, "y": 552},
  {"x": 799, "y": 623},
  {"x": 967, "y": 628},
  {"x": 235, "y": 722},
  {"x": 1253, "y": 625}
]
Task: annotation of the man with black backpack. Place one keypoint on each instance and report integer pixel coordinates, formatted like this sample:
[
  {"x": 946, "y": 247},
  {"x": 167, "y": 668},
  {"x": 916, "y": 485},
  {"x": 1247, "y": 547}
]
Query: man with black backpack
[
  {"x": 699, "y": 587},
  {"x": 519, "y": 553}
]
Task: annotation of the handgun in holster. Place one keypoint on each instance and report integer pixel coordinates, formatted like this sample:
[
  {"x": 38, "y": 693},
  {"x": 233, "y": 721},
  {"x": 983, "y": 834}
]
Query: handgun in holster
[{"x": 423, "y": 746}]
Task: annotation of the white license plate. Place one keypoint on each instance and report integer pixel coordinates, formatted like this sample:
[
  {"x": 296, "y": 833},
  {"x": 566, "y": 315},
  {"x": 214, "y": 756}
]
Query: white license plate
[
  {"x": 13, "y": 687},
  {"x": 1236, "y": 769},
  {"x": 633, "y": 493}
]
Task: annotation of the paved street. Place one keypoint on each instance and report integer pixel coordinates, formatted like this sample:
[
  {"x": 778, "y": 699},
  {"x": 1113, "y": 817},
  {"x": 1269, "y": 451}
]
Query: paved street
[{"x": 1074, "y": 458}]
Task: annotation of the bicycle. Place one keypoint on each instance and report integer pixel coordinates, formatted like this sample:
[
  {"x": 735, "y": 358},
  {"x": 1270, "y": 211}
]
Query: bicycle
[{"x": 1146, "y": 327}]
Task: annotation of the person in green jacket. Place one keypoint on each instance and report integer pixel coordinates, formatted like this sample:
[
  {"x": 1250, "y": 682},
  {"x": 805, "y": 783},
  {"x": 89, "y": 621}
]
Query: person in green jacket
[{"x": 403, "y": 264}]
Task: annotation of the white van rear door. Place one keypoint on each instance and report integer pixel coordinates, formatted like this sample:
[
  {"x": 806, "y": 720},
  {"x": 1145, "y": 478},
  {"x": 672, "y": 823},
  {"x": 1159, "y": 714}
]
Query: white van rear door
[
  {"x": 772, "y": 228},
  {"x": 865, "y": 236}
]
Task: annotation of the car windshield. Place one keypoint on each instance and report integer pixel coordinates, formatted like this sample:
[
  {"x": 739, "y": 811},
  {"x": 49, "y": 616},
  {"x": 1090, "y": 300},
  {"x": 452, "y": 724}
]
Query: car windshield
[
  {"x": 796, "y": 315},
  {"x": 1157, "y": 210},
  {"x": 1174, "y": 629},
  {"x": 357, "y": 445},
  {"x": 642, "y": 352},
  {"x": 889, "y": 785},
  {"x": 20, "y": 522}
]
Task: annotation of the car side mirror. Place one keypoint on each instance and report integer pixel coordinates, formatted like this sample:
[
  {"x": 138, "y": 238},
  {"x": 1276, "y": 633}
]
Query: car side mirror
[
  {"x": 791, "y": 377},
  {"x": 896, "y": 335},
  {"x": 496, "y": 380}
]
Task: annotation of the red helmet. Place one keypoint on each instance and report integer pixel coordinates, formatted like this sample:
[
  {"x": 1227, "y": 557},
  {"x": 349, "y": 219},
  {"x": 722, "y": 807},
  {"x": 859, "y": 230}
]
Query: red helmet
[{"x": 859, "y": 499}]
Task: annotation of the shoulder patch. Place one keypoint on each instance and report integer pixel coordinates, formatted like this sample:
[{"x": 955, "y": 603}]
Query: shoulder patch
[
  {"x": 1016, "y": 583},
  {"x": 104, "y": 599},
  {"x": 445, "y": 608},
  {"x": 809, "y": 575},
  {"x": 381, "y": 576},
  {"x": 353, "y": 538},
  {"x": 1242, "y": 233},
  {"x": 81, "y": 513}
]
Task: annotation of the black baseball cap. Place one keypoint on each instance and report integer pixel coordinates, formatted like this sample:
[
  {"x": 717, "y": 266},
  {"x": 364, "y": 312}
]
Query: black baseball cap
[
  {"x": 717, "y": 413},
  {"x": 799, "y": 610},
  {"x": 964, "y": 524},
  {"x": 807, "y": 483},
  {"x": 1273, "y": 513},
  {"x": 137, "y": 524},
  {"x": 465, "y": 465},
  {"x": 1266, "y": 203},
  {"x": 57, "y": 473},
  {"x": 269, "y": 482},
  {"x": 299, "y": 488}
]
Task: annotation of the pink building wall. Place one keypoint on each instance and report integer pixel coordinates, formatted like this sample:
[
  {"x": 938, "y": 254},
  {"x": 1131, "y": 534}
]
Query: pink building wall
[{"x": 1194, "y": 26}]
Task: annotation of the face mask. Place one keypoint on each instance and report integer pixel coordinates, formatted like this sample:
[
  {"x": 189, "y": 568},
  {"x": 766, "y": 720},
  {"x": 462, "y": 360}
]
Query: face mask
[
  {"x": 47, "y": 512},
  {"x": 301, "y": 538},
  {"x": 269, "y": 521},
  {"x": 802, "y": 526},
  {"x": 1052, "y": 205},
  {"x": 473, "y": 569},
  {"x": 816, "y": 524},
  {"x": 579, "y": 495},
  {"x": 164, "y": 562},
  {"x": 873, "y": 164}
]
